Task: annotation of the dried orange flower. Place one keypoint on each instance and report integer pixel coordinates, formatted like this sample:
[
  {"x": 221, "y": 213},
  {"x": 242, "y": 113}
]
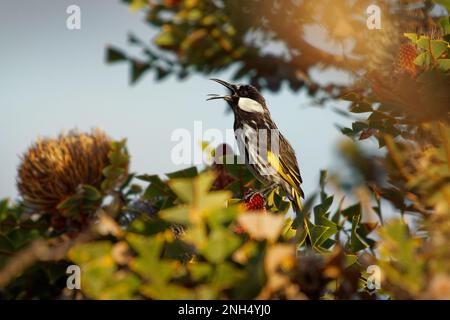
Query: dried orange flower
[{"x": 52, "y": 169}]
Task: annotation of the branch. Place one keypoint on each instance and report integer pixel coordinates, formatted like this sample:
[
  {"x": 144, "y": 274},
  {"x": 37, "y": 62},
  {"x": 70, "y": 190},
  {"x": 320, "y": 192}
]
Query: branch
[{"x": 40, "y": 250}]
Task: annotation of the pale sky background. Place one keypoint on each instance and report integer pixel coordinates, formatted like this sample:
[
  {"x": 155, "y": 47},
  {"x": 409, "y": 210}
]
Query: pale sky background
[{"x": 53, "y": 78}]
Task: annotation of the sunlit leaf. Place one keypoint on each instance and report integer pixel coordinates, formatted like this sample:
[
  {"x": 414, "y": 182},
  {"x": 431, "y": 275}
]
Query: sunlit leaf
[
  {"x": 262, "y": 226},
  {"x": 444, "y": 64},
  {"x": 221, "y": 245},
  {"x": 438, "y": 47}
]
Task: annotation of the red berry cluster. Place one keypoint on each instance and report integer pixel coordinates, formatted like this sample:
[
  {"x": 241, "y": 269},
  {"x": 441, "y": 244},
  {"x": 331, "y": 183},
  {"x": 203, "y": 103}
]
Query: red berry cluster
[
  {"x": 254, "y": 202},
  {"x": 406, "y": 56}
]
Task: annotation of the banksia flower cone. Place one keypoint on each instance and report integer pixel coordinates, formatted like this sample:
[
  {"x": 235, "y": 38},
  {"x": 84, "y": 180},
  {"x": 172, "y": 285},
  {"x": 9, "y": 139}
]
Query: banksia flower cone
[
  {"x": 53, "y": 169},
  {"x": 405, "y": 61}
]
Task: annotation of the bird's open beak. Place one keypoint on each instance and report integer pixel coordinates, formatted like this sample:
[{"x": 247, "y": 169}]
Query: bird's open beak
[{"x": 230, "y": 87}]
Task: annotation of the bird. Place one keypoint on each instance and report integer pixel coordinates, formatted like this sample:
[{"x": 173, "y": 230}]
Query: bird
[{"x": 267, "y": 153}]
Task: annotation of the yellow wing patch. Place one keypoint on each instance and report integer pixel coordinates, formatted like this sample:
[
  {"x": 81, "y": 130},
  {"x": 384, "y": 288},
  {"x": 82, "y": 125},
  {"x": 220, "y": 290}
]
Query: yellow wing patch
[
  {"x": 274, "y": 161},
  {"x": 297, "y": 199},
  {"x": 295, "y": 175}
]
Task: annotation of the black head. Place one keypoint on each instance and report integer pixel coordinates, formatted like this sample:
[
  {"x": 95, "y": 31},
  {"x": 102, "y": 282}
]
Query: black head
[{"x": 242, "y": 98}]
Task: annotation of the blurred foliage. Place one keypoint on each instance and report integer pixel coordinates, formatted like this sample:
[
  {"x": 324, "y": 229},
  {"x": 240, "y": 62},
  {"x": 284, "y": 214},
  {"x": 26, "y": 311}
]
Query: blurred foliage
[
  {"x": 268, "y": 43},
  {"x": 209, "y": 234},
  {"x": 191, "y": 237},
  {"x": 209, "y": 258},
  {"x": 187, "y": 237},
  {"x": 210, "y": 36}
]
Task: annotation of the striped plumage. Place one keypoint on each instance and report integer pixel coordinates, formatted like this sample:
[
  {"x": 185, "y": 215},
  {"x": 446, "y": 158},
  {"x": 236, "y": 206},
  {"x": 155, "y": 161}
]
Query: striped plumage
[{"x": 268, "y": 154}]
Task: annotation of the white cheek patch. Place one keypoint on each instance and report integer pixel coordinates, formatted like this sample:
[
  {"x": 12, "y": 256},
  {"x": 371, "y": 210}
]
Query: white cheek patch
[{"x": 250, "y": 105}]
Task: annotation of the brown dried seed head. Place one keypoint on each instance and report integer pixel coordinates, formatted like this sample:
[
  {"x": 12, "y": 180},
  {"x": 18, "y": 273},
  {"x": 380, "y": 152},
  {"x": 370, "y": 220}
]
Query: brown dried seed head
[{"x": 52, "y": 169}]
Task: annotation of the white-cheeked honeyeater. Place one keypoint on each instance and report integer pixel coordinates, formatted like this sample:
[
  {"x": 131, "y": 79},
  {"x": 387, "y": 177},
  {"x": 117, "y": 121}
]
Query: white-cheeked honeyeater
[{"x": 268, "y": 154}]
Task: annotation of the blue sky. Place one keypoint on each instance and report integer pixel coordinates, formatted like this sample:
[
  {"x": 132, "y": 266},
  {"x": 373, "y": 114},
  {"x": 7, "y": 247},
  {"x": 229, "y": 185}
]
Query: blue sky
[{"x": 54, "y": 79}]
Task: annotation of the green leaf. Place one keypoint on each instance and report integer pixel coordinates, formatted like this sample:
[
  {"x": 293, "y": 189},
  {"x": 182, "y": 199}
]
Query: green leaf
[
  {"x": 324, "y": 228},
  {"x": 221, "y": 245},
  {"x": 116, "y": 173},
  {"x": 445, "y": 23},
  {"x": 226, "y": 276},
  {"x": 356, "y": 243},
  {"x": 158, "y": 291},
  {"x": 149, "y": 247},
  {"x": 352, "y": 211},
  {"x": 134, "y": 189},
  {"x": 137, "y": 70},
  {"x": 136, "y": 5},
  {"x": 21, "y": 237},
  {"x": 364, "y": 230},
  {"x": 200, "y": 271},
  {"x": 195, "y": 14},
  {"x": 424, "y": 42},
  {"x": 337, "y": 215},
  {"x": 204, "y": 182},
  {"x": 185, "y": 173},
  {"x": 316, "y": 233},
  {"x": 100, "y": 277},
  {"x": 423, "y": 59},
  {"x": 122, "y": 286},
  {"x": 165, "y": 39},
  {"x": 400, "y": 260},
  {"x": 149, "y": 264},
  {"x": 438, "y": 47},
  {"x": 347, "y": 131},
  {"x": 321, "y": 209},
  {"x": 161, "y": 73},
  {"x": 149, "y": 226},
  {"x": 3, "y": 205},
  {"x": 350, "y": 259},
  {"x": 86, "y": 252},
  {"x": 113, "y": 173},
  {"x": 360, "y": 107},
  {"x": 411, "y": 36},
  {"x": 3, "y": 208},
  {"x": 444, "y": 64},
  {"x": 119, "y": 156},
  {"x": 197, "y": 191},
  {"x": 323, "y": 179},
  {"x": 113, "y": 55},
  {"x": 156, "y": 188},
  {"x": 91, "y": 193},
  {"x": 69, "y": 203},
  {"x": 357, "y": 126},
  {"x": 183, "y": 188},
  {"x": 179, "y": 215},
  {"x": 218, "y": 218}
]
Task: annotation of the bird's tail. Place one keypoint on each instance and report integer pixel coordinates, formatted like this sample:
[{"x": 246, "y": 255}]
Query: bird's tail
[{"x": 296, "y": 202}]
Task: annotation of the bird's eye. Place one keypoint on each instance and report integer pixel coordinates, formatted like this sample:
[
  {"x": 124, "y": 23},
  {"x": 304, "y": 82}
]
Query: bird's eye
[{"x": 244, "y": 93}]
